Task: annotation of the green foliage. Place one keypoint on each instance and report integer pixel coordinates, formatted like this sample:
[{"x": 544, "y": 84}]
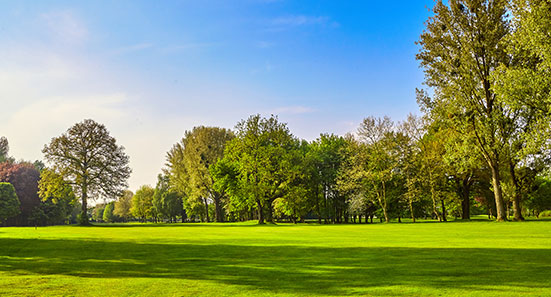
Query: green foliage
[
  {"x": 539, "y": 200},
  {"x": 90, "y": 160},
  {"x": 9, "y": 203},
  {"x": 123, "y": 205},
  {"x": 97, "y": 214},
  {"x": 142, "y": 203},
  {"x": 262, "y": 153},
  {"x": 53, "y": 187},
  {"x": 108, "y": 215},
  {"x": 167, "y": 202},
  {"x": 460, "y": 49},
  {"x": 189, "y": 163},
  {"x": 4, "y": 149}
]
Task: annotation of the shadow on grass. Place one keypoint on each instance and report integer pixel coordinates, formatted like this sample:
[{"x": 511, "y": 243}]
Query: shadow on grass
[
  {"x": 141, "y": 225},
  {"x": 285, "y": 269}
]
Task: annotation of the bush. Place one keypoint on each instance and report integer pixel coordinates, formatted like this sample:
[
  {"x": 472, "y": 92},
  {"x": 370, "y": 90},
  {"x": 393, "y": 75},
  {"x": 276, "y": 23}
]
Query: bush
[{"x": 9, "y": 203}]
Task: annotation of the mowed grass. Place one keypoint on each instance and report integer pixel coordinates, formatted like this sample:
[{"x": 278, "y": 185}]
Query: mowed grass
[{"x": 424, "y": 259}]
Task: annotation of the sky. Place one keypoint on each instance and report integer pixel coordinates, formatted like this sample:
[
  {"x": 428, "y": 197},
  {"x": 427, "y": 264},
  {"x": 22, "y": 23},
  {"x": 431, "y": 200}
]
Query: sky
[{"x": 150, "y": 70}]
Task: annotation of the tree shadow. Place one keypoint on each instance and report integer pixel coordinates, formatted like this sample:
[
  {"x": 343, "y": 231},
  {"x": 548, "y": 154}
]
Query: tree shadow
[
  {"x": 186, "y": 225},
  {"x": 290, "y": 269}
]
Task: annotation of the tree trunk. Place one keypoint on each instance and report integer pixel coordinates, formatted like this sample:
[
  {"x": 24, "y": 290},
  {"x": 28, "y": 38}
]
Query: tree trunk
[
  {"x": 218, "y": 208},
  {"x": 465, "y": 193},
  {"x": 206, "y": 209},
  {"x": 319, "y": 208},
  {"x": 465, "y": 205},
  {"x": 84, "y": 213},
  {"x": 411, "y": 210},
  {"x": 325, "y": 206},
  {"x": 443, "y": 211},
  {"x": 433, "y": 197},
  {"x": 382, "y": 202},
  {"x": 516, "y": 199},
  {"x": 498, "y": 194},
  {"x": 260, "y": 214},
  {"x": 270, "y": 216}
]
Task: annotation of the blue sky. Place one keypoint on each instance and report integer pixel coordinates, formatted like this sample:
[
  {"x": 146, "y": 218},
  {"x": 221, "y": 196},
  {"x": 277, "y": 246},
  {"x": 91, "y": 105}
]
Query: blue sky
[{"x": 150, "y": 70}]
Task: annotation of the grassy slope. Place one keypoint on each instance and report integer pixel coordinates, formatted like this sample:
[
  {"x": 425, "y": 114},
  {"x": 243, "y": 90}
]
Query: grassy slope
[{"x": 424, "y": 259}]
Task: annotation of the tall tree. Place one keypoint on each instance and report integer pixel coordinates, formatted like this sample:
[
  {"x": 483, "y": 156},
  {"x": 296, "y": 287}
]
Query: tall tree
[
  {"x": 381, "y": 158},
  {"x": 90, "y": 160},
  {"x": 525, "y": 85},
  {"x": 329, "y": 154},
  {"x": 260, "y": 153},
  {"x": 4, "y": 149},
  {"x": 461, "y": 47},
  {"x": 201, "y": 148}
]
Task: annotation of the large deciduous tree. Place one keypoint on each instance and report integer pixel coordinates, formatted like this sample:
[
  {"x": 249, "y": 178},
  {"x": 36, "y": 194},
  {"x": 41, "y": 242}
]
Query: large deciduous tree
[
  {"x": 88, "y": 157},
  {"x": 261, "y": 155},
  {"x": 525, "y": 85},
  {"x": 461, "y": 47},
  {"x": 189, "y": 163}
]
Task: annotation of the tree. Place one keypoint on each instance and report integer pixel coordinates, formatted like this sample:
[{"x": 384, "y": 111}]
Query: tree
[
  {"x": 328, "y": 155},
  {"x": 4, "y": 149},
  {"x": 53, "y": 187},
  {"x": 166, "y": 200},
  {"x": 142, "y": 203},
  {"x": 9, "y": 203},
  {"x": 259, "y": 152},
  {"x": 460, "y": 49},
  {"x": 90, "y": 160},
  {"x": 123, "y": 205},
  {"x": 381, "y": 159},
  {"x": 97, "y": 213},
  {"x": 524, "y": 85},
  {"x": 108, "y": 215},
  {"x": 57, "y": 199},
  {"x": 201, "y": 148},
  {"x": 540, "y": 198},
  {"x": 24, "y": 178}
]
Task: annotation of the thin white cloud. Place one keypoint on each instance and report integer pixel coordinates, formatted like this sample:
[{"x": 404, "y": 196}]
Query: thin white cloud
[
  {"x": 300, "y": 20},
  {"x": 187, "y": 46}
]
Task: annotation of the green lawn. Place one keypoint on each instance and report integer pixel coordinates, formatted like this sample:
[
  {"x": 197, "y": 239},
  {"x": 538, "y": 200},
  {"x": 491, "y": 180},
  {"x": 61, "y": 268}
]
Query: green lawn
[{"x": 425, "y": 259}]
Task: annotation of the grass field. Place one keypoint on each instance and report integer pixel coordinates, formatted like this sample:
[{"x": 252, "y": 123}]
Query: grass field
[{"x": 425, "y": 259}]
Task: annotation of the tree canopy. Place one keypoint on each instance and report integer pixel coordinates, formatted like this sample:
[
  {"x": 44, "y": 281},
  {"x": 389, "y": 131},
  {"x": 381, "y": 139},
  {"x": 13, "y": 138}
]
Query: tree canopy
[{"x": 89, "y": 159}]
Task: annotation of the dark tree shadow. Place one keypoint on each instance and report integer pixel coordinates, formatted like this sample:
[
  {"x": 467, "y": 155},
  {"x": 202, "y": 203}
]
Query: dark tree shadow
[{"x": 284, "y": 268}]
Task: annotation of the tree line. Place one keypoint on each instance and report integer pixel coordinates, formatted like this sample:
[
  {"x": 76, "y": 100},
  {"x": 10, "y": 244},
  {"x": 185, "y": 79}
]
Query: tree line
[{"x": 480, "y": 146}]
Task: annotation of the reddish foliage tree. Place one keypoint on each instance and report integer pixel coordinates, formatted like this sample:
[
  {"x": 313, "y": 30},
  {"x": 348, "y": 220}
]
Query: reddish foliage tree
[{"x": 24, "y": 178}]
